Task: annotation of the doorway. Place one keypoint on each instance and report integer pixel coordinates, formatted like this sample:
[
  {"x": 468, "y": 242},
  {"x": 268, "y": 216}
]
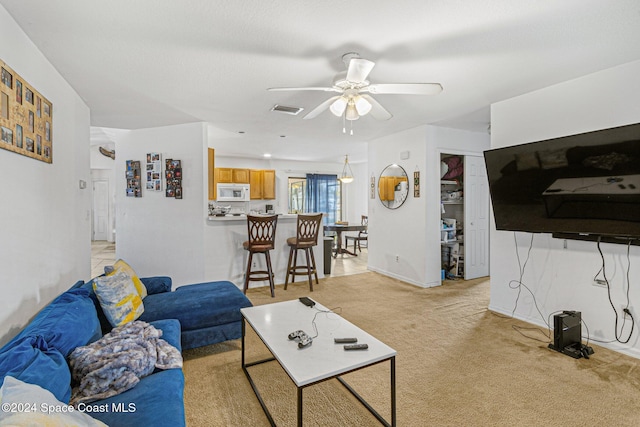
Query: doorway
[{"x": 100, "y": 211}]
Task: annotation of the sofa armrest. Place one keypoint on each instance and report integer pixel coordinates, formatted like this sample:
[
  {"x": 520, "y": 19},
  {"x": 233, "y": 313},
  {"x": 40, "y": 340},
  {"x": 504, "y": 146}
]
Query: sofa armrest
[{"x": 157, "y": 284}]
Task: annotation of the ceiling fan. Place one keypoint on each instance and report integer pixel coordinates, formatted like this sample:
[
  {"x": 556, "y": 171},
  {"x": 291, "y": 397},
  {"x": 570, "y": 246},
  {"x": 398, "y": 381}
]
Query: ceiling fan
[{"x": 353, "y": 88}]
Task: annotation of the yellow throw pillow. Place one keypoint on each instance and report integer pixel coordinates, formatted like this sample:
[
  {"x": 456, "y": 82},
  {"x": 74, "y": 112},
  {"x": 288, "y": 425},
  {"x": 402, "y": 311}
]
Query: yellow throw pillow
[
  {"x": 121, "y": 266},
  {"x": 118, "y": 298}
]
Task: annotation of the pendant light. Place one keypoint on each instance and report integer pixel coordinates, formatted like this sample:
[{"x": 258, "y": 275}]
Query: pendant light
[{"x": 347, "y": 173}]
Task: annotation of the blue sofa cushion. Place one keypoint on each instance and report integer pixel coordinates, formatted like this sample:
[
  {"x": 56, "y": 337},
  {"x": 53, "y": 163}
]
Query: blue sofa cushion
[
  {"x": 30, "y": 360},
  {"x": 157, "y": 400},
  {"x": 197, "y": 306},
  {"x": 67, "y": 322},
  {"x": 170, "y": 331},
  {"x": 157, "y": 284}
]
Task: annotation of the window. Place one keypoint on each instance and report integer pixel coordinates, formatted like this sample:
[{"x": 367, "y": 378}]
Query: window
[{"x": 316, "y": 193}]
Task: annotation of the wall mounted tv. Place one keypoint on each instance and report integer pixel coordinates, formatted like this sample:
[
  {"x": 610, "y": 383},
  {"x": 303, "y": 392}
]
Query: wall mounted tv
[{"x": 584, "y": 186}]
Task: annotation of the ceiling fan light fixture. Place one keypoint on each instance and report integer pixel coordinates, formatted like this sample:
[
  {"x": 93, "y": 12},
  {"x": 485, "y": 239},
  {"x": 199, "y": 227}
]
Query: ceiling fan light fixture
[
  {"x": 347, "y": 174},
  {"x": 351, "y": 113},
  {"x": 362, "y": 105},
  {"x": 338, "y": 106}
]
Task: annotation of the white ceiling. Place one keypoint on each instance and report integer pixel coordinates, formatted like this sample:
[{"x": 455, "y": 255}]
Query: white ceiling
[{"x": 148, "y": 63}]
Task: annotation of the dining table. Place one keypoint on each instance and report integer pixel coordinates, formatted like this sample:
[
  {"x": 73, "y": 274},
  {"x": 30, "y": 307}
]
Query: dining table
[{"x": 339, "y": 229}]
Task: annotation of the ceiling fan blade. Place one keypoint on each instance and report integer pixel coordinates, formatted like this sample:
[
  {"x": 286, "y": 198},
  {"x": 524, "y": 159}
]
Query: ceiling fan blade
[
  {"x": 323, "y": 89},
  {"x": 320, "y": 108},
  {"x": 359, "y": 70},
  {"x": 377, "y": 110},
  {"x": 405, "y": 88}
]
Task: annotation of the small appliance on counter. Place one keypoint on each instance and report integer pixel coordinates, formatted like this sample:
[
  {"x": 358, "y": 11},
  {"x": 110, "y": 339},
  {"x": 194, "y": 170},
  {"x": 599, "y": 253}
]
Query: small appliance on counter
[{"x": 217, "y": 210}]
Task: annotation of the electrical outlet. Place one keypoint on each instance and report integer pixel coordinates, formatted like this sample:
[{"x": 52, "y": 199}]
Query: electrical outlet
[
  {"x": 397, "y": 258},
  {"x": 254, "y": 265},
  {"x": 600, "y": 283}
]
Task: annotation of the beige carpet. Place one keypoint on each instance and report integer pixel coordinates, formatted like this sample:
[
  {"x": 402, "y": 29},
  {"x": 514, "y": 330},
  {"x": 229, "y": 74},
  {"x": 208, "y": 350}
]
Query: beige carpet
[{"x": 458, "y": 364}]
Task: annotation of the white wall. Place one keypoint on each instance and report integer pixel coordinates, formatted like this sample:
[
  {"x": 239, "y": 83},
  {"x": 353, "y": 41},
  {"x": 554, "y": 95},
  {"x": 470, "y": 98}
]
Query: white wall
[
  {"x": 399, "y": 232},
  {"x": 158, "y": 235},
  {"x": 45, "y": 224},
  {"x": 561, "y": 279},
  {"x": 412, "y": 232}
]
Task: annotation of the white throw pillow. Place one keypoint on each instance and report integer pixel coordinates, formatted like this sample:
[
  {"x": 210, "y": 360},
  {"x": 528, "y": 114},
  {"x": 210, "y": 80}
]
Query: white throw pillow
[{"x": 25, "y": 404}]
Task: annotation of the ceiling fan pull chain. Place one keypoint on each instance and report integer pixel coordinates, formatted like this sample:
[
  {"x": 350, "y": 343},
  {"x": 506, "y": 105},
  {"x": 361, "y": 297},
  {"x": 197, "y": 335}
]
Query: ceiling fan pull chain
[
  {"x": 344, "y": 122},
  {"x": 351, "y": 127}
]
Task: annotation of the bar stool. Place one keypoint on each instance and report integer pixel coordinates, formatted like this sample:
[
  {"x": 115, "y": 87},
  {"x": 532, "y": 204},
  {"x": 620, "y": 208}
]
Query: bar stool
[
  {"x": 306, "y": 238},
  {"x": 262, "y": 236}
]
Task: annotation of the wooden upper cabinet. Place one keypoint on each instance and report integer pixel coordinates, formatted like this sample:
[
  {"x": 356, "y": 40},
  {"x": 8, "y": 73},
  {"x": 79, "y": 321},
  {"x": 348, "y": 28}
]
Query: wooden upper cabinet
[
  {"x": 211, "y": 175},
  {"x": 240, "y": 176},
  {"x": 224, "y": 175},
  {"x": 269, "y": 184},
  {"x": 263, "y": 184},
  {"x": 232, "y": 175},
  {"x": 256, "y": 177}
]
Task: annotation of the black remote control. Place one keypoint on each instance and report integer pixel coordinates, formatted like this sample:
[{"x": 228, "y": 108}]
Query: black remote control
[
  {"x": 345, "y": 340},
  {"x": 307, "y": 301},
  {"x": 356, "y": 347}
]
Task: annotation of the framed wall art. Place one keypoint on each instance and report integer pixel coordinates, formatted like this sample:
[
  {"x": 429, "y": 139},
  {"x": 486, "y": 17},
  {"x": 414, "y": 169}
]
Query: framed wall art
[
  {"x": 26, "y": 117},
  {"x": 154, "y": 171},
  {"x": 134, "y": 186},
  {"x": 173, "y": 175}
]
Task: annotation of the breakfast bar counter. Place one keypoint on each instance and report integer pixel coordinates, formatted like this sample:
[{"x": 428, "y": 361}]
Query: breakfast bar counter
[{"x": 227, "y": 260}]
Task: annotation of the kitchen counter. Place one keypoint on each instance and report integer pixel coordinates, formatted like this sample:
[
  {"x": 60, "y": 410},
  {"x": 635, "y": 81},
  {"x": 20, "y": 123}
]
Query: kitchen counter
[
  {"x": 227, "y": 260},
  {"x": 243, "y": 217}
]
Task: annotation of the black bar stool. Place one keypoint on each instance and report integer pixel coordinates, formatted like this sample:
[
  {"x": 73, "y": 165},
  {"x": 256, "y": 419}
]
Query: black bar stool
[
  {"x": 262, "y": 236},
  {"x": 307, "y": 237}
]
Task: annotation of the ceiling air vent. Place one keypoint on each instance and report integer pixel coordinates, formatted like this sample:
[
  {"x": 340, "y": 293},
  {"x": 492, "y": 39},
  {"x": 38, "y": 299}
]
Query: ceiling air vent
[{"x": 287, "y": 110}]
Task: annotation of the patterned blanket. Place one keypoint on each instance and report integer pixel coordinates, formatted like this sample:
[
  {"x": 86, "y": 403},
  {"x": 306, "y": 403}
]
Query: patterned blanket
[{"x": 117, "y": 361}]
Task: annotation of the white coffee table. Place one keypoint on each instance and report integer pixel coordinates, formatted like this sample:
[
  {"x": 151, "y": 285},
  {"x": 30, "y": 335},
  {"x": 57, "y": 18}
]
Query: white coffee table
[{"x": 320, "y": 361}]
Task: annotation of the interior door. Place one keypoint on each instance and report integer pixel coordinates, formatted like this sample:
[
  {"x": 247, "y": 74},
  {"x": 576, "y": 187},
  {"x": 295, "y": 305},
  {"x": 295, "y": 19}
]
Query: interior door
[
  {"x": 100, "y": 209},
  {"x": 476, "y": 218}
]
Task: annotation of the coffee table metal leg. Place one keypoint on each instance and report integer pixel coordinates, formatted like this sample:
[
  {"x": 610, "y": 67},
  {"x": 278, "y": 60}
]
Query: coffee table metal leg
[
  {"x": 299, "y": 406},
  {"x": 368, "y": 406},
  {"x": 393, "y": 392},
  {"x": 253, "y": 385}
]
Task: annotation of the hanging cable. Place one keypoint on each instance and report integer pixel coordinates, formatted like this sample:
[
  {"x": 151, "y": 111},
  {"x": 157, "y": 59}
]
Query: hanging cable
[{"x": 626, "y": 309}]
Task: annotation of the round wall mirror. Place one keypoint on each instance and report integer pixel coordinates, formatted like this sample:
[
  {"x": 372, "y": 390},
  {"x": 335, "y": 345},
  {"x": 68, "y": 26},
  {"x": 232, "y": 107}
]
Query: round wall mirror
[{"x": 393, "y": 186}]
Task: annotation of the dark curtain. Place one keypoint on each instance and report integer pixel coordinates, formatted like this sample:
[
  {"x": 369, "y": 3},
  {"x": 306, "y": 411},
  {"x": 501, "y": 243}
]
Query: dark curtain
[{"x": 322, "y": 196}]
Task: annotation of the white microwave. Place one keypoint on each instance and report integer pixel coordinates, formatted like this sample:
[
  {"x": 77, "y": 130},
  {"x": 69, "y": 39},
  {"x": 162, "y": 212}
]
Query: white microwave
[{"x": 233, "y": 193}]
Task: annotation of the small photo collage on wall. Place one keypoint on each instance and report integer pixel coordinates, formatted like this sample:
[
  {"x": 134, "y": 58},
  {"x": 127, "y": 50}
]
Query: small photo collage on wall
[
  {"x": 154, "y": 172},
  {"x": 134, "y": 186},
  {"x": 173, "y": 175}
]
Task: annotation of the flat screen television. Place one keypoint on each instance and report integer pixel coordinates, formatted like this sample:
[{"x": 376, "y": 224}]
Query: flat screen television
[{"x": 584, "y": 186}]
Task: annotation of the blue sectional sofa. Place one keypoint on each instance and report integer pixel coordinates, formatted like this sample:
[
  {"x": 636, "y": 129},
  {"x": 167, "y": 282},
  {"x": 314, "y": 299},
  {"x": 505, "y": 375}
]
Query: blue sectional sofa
[{"x": 191, "y": 316}]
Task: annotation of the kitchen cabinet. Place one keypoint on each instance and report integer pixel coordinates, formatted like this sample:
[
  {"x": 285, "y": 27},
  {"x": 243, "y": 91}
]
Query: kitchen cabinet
[
  {"x": 231, "y": 175},
  {"x": 256, "y": 176},
  {"x": 263, "y": 184},
  {"x": 269, "y": 184},
  {"x": 211, "y": 174}
]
